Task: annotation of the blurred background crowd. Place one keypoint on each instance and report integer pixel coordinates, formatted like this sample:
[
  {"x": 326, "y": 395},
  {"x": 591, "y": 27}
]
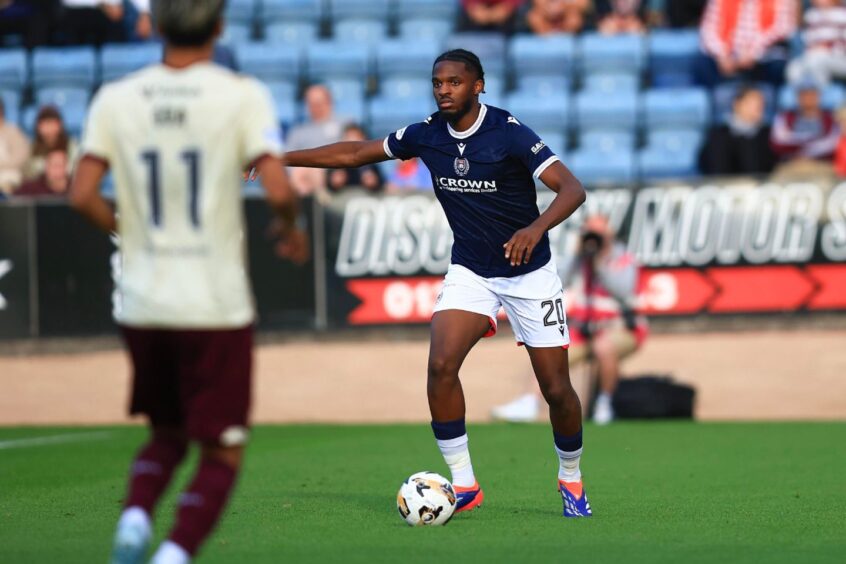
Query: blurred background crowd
[{"x": 623, "y": 90}]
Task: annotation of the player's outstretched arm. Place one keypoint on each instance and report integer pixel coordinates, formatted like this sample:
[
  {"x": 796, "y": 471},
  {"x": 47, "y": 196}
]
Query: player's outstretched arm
[
  {"x": 292, "y": 241},
  {"x": 346, "y": 154},
  {"x": 85, "y": 194},
  {"x": 570, "y": 196}
]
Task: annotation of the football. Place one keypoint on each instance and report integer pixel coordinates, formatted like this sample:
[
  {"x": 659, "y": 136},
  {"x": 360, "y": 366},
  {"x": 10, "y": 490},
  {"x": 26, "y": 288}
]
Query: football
[{"x": 426, "y": 498}]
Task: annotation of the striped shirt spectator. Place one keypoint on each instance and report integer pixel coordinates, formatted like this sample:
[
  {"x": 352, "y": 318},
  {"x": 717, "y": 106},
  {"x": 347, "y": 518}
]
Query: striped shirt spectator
[{"x": 824, "y": 36}]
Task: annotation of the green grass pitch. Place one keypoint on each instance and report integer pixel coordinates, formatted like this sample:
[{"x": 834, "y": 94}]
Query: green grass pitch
[{"x": 661, "y": 492}]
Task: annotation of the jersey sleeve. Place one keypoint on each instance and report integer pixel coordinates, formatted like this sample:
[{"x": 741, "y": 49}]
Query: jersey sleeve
[
  {"x": 262, "y": 134},
  {"x": 529, "y": 148},
  {"x": 403, "y": 144},
  {"x": 97, "y": 138}
]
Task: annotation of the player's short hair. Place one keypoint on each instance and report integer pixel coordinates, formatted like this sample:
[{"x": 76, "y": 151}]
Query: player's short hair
[
  {"x": 470, "y": 60},
  {"x": 187, "y": 23}
]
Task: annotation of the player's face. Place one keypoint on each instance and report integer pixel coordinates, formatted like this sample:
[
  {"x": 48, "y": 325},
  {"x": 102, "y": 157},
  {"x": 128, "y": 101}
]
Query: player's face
[{"x": 455, "y": 88}]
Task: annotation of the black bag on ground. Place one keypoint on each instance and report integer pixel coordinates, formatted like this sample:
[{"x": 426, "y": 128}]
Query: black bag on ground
[{"x": 653, "y": 397}]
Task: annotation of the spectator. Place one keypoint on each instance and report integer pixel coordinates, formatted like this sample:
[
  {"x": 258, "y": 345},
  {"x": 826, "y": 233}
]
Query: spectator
[
  {"x": 824, "y": 36},
  {"x": 741, "y": 146},
  {"x": 29, "y": 19},
  {"x": 621, "y": 16},
  {"x": 489, "y": 15},
  {"x": 840, "y": 152},
  {"x": 322, "y": 128},
  {"x": 745, "y": 39},
  {"x": 50, "y": 134},
  {"x": 409, "y": 176},
  {"x": 680, "y": 13},
  {"x": 102, "y": 21},
  {"x": 557, "y": 16},
  {"x": 367, "y": 176},
  {"x": 14, "y": 151},
  {"x": 805, "y": 138},
  {"x": 54, "y": 181}
]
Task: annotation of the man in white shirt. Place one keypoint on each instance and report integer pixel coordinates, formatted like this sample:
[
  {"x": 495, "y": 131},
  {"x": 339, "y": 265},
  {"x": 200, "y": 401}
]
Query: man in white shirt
[{"x": 177, "y": 137}]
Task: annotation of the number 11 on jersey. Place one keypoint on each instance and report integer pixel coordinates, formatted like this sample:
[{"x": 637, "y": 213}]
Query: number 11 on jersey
[{"x": 191, "y": 158}]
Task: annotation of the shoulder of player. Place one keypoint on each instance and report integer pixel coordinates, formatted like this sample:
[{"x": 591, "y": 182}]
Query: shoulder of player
[{"x": 503, "y": 118}]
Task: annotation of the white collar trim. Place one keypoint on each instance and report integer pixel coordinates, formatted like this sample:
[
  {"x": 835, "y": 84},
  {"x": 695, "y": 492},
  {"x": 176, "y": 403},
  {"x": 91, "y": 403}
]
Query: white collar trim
[{"x": 473, "y": 128}]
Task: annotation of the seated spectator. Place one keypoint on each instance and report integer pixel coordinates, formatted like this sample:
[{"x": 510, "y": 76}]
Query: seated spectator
[
  {"x": 805, "y": 135},
  {"x": 557, "y": 16},
  {"x": 409, "y": 176},
  {"x": 50, "y": 134},
  {"x": 840, "y": 152},
  {"x": 824, "y": 36},
  {"x": 741, "y": 146},
  {"x": 745, "y": 39},
  {"x": 367, "y": 176},
  {"x": 29, "y": 19},
  {"x": 54, "y": 181},
  {"x": 621, "y": 16},
  {"x": 94, "y": 22},
  {"x": 489, "y": 15},
  {"x": 14, "y": 151},
  {"x": 322, "y": 128}
]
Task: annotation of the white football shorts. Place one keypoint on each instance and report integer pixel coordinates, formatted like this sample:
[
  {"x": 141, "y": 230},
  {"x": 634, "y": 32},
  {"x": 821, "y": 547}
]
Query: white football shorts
[{"x": 533, "y": 302}]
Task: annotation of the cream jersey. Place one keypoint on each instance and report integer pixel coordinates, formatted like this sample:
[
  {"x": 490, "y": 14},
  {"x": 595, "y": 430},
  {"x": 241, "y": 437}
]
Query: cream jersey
[{"x": 177, "y": 142}]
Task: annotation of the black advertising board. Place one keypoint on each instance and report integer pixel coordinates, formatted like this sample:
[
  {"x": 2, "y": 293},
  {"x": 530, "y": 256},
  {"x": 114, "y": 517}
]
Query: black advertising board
[{"x": 16, "y": 240}]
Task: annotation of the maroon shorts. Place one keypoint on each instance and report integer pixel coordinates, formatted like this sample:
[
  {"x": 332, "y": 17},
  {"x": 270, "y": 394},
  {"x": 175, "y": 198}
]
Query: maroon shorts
[{"x": 198, "y": 380}]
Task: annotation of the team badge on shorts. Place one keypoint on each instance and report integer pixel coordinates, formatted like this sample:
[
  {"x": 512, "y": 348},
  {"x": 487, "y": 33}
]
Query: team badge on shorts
[{"x": 462, "y": 166}]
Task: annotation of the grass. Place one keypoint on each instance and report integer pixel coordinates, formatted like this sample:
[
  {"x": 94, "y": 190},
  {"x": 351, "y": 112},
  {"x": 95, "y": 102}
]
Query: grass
[{"x": 661, "y": 492}]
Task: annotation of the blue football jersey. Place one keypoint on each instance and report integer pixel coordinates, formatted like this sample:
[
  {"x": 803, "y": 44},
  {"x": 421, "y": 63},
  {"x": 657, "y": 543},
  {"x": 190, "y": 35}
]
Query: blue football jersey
[{"x": 484, "y": 179}]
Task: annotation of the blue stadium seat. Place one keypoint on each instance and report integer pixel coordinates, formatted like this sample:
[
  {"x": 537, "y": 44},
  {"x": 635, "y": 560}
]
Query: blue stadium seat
[
  {"x": 236, "y": 33},
  {"x": 269, "y": 61},
  {"x": 388, "y": 115},
  {"x": 831, "y": 97},
  {"x": 723, "y": 99},
  {"x": 66, "y": 66},
  {"x": 12, "y": 105},
  {"x": 489, "y": 47},
  {"x": 287, "y": 110},
  {"x": 117, "y": 60},
  {"x": 675, "y": 140},
  {"x": 547, "y": 55},
  {"x": 494, "y": 85},
  {"x": 282, "y": 90},
  {"x": 359, "y": 9},
  {"x": 618, "y": 112},
  {"x": 656, "y": 163},
  {"x": 607, "y": 141},
  {"x": 62, "y": 98},
  {"x": 556, "y": 140},
  {"x": 346, "y": 88},
  {"x": 542, "y": 86},
  {"x": 436, "y": 9},
  {"x": 602, "y": 168},
  {"x": 611, "y": 83},
  {"x": 361, "y": 30},
  {"x": 301, "y": 11},
  {"x": 672, "y": 54},
  {"x": 292, "y": 33},
  {"x": 352, "y": 109},
  {"x": 338, "y": 59},
  {"x": 426, "y": 29},
  {"x": 13, "y": 69},
  {"x": 405, "y": 87},
  {"x": 603, "y": 54},
  {"x": 241, "y": 11},
  {"x": 675, "y": 107},
  {"x": 403, "y": 58},
  {"x": 550, "y": 112}
]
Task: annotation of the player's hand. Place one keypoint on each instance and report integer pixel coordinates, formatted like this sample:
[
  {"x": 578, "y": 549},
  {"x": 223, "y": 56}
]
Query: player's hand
[
  {"x": 518, "y": 249},
  {"x": 251, "y": 174},
  {"x": 294, "y": 246}
]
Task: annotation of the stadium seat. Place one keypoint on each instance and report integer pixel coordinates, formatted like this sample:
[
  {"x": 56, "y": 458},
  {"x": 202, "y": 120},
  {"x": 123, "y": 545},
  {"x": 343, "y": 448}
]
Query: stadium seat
[
  {"x": 602, "y": 54},
  {"x": 831, "y": 97},
  {"x": 236, "y": 33},
  {"x": 404, "y": 58},
  {"x": 618, "y": 112},
  {"x": 656, "y": 163},
  {"x": 672, "y": 54},
  {"x": 361, "y": 30},
  {"x": 544, "y": 85},
  {"x": 287, "y": 110},
  {"x": 62, "y": 98},
  {"x": 443, "y": 10},
  {"x": 549, "y": 112},
  {"x": 13, "y": 71},
  {"x": 291, "y": 11},
  {"x": 292, "y": 33},
  {"x": 66, "y": 66},
  {"x": 337, "y": 59},
  {"x": 611, "y": 83},
  {"x": 12, "y": 104},
  {"x": 405, "y": 87},
  {"x": 489, "y": 47},
  {"x": 346, "y": 88},
  {"x": 352, "y": 109},
  {"x": 607, "y": 141},
  {"x": 426, "y": 29},
  {"x": 555, "y": 140},
  {"x": 723, "y": 99},
  {"x": 241, "y": 11},
  {"x": 675, "y": 140},
  {"x": 602, "y": 168},
  {"x": 269, "y": 61},
  {"x": 282, "y": 89},
  {"x": 547, "y": 55},
  {"x": 117, "y": 60},
  {"x": 388, "y": 115},
  {"x": 677, "y": 107},
  {"x": 359, "y": 9}
]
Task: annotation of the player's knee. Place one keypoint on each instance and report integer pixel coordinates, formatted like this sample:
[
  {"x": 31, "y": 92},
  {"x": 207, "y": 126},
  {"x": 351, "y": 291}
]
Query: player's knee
[
  {"x": 443, "y": 367},
  {"x": 558, "y": 395},
  {"x": 229, "y": 455}
]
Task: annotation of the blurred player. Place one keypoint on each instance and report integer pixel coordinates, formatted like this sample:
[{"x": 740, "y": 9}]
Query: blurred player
[
  {"x": 177, "y": 137},
  {"x": 483, "y": 163}
]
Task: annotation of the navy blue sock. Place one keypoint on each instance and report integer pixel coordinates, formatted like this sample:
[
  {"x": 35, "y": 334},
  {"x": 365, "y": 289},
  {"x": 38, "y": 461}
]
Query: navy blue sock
[
  {"x": 447, "y": 430},
  {"x": 568, "y": 443}
]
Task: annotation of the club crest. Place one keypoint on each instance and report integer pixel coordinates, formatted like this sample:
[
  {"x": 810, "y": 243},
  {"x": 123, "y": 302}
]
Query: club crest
[{"x": 462, "y": 166}]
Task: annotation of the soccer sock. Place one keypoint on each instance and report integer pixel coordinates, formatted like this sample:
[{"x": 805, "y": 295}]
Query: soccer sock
[
  {"x": 151, "y": 472},
  {"x": 452, "y": 440},
  {"x": 202, "y": 503},
  {"x": 569, "y": 449},
  {"x": 170, "y": 553}
]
